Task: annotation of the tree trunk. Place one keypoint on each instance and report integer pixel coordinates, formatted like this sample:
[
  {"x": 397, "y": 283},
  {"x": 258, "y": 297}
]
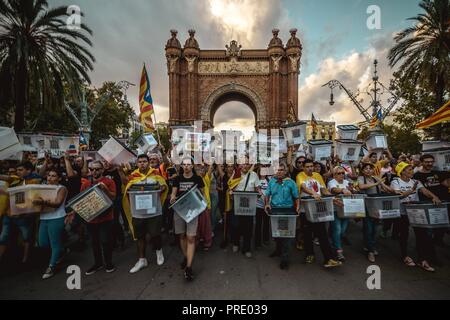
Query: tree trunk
[
  {"x": 440, "y": 88},
  {"x": 21, "y": 89}
]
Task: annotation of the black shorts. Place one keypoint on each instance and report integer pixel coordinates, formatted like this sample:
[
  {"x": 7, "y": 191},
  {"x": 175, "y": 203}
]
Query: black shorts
[{"x": 152, "y": 226}]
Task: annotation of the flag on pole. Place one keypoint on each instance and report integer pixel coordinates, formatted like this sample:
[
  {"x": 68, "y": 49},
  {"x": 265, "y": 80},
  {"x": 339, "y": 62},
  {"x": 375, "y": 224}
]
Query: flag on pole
[
  {"x": 442, "y": 115},
  {"x": 376, "y": 119},
  {"x": 146, "y": 102},
  {"x": 83, "y": 141},
  {"x": 313, "y": 122}
]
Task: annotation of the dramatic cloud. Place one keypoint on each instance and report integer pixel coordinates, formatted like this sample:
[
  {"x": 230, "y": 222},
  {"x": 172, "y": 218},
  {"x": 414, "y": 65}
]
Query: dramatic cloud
[
  {"x": 126, "y": 34},
  {"x": 354, "y": 71}
]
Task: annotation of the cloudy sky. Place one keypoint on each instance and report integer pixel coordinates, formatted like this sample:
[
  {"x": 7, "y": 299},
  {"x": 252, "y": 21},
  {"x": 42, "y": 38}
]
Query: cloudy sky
[{"x": 337, "y": 44}]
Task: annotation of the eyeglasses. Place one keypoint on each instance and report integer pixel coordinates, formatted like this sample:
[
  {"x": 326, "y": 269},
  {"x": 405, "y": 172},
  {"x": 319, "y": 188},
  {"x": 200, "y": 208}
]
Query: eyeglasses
[{"x": 96, "y": 169}]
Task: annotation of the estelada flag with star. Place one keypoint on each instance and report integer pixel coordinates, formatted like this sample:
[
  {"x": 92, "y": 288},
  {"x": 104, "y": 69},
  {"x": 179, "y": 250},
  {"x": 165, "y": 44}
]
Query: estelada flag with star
[{"x": 146, "y": 102}]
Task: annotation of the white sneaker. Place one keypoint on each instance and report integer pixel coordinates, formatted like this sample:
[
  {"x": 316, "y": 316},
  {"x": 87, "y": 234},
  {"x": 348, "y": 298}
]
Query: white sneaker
[
  {"x": 141, "y": 264},
  {"x": 159, "y": 257},
  {"x": 235, "y": 249}
]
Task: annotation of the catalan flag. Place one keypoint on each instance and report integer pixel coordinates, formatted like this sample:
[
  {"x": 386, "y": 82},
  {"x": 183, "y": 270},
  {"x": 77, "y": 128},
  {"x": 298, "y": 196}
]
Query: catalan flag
[
  {"x": 442, "y": 115},
  {"x": 376, "y": 119},
  {"x": 146, "y": 102}
]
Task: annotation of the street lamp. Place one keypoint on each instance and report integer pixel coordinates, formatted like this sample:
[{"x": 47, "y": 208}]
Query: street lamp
[
  {"x": 374, "y": 90},
  {"x": 87, "y": 115}
]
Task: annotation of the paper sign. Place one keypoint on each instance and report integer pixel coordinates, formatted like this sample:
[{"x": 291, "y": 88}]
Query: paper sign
[
  {"x": 322, "y": 153},
  {"x": 438, "y": 216},
  {"x": 354, "y": 206},
  {"x": 388, "y": 214},
  {"x": 380, "y": 141},
  {"x": 417, "y": 216},
  {"x": 143, "y": 202}
]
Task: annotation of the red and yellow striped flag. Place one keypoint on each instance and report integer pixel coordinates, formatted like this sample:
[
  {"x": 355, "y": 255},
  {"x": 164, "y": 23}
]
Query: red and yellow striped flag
[
  {"x": 443, "y": 114},
  {"x": 146, "y": 102}
]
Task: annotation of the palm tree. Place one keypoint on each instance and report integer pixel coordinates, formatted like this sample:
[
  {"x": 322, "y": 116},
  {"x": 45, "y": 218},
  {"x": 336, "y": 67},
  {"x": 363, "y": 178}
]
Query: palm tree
[
  {"x": 424, "y": 49},
  {"x": 39, "y": 53}
]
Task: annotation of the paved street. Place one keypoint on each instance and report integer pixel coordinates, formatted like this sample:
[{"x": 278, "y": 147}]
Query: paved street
[{"x": 220, "y": 274}]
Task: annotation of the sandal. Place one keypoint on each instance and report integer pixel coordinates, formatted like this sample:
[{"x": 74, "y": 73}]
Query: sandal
[
  {"x": 425, "y": 266},
  {"x": 409, "y": 262}
]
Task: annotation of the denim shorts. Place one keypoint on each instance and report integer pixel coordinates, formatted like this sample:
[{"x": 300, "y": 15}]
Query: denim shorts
[{"x": 25, "y": 225}]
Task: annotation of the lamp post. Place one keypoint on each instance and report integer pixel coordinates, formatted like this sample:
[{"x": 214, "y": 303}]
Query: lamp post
[
  {"x": 87, "y": 115},
  {"x": 375, "y": 91}
]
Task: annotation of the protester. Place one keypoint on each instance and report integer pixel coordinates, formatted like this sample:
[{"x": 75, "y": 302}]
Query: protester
[
  {"x": 25, "y": 223},
  {"x": 339, "y": 186},
  {"x": 204, "y": 229},
  {"x": 311, "y": 184},
  {"x": 101, "y": 228},
  {"x": 282, "y": 192},
  {"x": 437, "y": 182},
  {"x": 52, "y": 224},
  {"x": 243, "y": 179},
  {"x": 409, "y": 190},
  {"x": 371, "y": 185},
  {"x": 262, "y": 220},
  {"x": 186, "y": 231},
  {"x": 372, "y": 157},
  {"x": 142, "y": 224}
]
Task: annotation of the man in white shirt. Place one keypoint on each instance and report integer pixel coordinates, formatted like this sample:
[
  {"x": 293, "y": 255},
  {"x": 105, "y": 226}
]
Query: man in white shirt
[{"x": 242, "y": 226}]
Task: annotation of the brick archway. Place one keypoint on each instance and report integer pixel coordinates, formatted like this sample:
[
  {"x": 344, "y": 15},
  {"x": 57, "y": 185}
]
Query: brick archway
[
  {"x": 202, "y": 80},
  {"x": 233, "y": 92}
]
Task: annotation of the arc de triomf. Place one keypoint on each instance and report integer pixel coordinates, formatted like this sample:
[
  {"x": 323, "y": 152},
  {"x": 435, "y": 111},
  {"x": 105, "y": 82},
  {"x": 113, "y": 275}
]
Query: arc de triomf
[{"x": 202, "y": 80}]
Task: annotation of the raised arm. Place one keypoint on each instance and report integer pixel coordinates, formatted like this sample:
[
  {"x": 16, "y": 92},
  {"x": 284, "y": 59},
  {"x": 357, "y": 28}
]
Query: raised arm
[
  {"x": 85, "y": 169},
  {"x": 69, "y": 168}
]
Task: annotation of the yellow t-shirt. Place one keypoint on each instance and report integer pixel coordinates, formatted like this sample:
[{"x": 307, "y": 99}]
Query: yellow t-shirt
[
  {"x": 315, "y": 182},
  {"x": 207, "y": 182}
]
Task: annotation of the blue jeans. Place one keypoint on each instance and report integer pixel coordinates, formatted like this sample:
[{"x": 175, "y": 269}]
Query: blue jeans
[
  {"x": 338, "y": 227},
  {"x": 25, "y": 225},
  {"x": 369, "y": 232},
  {"x": 50, "y": 236}
]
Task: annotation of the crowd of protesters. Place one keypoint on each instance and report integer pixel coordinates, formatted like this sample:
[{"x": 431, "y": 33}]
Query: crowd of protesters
[{"x": 413, "y": 178}]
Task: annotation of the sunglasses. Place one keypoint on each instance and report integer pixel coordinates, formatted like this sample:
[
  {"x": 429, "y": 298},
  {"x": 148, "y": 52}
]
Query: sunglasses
[{"x": 340, "y": 172}]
